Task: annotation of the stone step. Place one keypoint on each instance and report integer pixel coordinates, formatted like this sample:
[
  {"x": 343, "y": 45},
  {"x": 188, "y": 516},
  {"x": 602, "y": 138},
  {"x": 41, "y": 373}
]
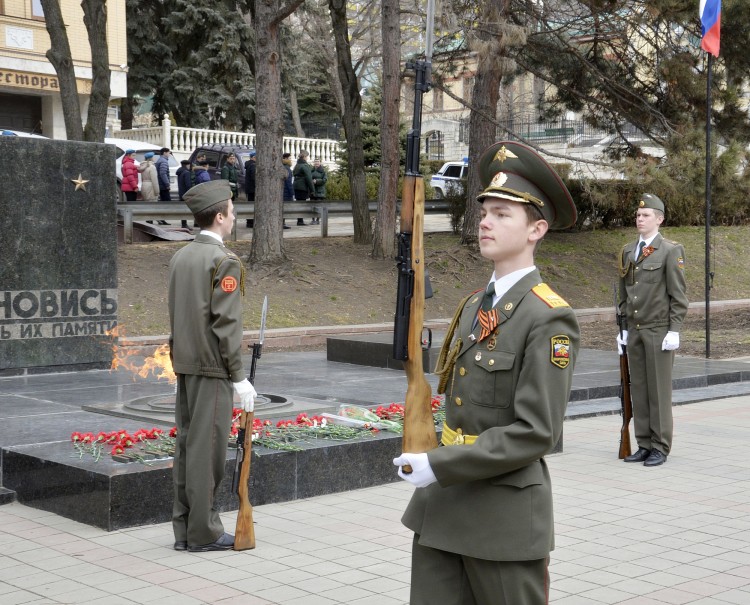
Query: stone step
[
  {"x": 611, "y": 405},
  {"x": 7, "y": 495}
]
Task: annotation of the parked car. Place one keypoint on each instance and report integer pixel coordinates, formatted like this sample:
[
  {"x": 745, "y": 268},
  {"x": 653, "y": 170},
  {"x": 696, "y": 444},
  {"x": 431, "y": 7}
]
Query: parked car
[
  {"x": 141, "y": 148},
  {"x": 216, "y": 155},
  {"x": 449, "y": 180},
  {"x": 20, "y": 133}
]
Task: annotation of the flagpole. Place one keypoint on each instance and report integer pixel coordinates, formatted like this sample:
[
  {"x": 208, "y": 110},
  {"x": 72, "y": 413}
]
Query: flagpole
[{"x": 708, "y": 206}]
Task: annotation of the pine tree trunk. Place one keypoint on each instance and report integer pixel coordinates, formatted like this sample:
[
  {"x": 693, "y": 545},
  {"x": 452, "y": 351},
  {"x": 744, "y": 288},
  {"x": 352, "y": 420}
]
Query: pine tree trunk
[
  {"x": 295, "y": 112},
  {"x": 60, "y": 57},
  {"x": 352, "y": 124},
  {"x": 268, "y": 242},
  {"x": 384, "y": 239},
  {"x": 95, "y": 19}
]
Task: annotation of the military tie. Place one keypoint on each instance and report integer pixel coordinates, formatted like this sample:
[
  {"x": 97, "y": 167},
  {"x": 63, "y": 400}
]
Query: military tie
[
  {"x": 487, "y": 316},
  {"x": 641, "y": 245}
]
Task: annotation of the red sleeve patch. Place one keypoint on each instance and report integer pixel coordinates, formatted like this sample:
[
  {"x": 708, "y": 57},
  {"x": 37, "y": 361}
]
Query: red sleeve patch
[{"x": 229, "y": 284}]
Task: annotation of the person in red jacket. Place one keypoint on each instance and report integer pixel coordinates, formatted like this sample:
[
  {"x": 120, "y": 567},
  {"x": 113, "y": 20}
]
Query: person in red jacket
[{"x": 129, "y": 176}]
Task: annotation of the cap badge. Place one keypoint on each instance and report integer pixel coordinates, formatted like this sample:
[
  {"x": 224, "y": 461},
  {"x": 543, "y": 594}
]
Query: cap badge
[
  {"x": 503, "y": 154},
  {"x": 641, "y": 204},
  {"x": 499, "y": 179}
]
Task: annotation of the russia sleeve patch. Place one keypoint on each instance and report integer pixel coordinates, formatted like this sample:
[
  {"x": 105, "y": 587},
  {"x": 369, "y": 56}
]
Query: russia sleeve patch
[
  {"x": 229, "y": 284},
  {"x": 560, "y": 350}
]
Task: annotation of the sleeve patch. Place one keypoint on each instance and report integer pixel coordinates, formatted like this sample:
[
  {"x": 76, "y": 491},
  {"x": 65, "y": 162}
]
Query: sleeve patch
[
  {"x": 680, "y": 262},
  {"x": 549, "y": 296},
  {"x": 229, "y": 284},
  {"x": 560, "y": 350}
]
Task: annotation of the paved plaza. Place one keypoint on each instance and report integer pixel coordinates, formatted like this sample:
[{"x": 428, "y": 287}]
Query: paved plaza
[{"x": 676, "y": 534}]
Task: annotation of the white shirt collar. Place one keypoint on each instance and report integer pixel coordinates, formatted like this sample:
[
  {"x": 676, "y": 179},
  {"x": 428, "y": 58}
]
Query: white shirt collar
[
  {"x": 649, "y": 240},
  {"x": 506, "y": 282},
  {"x": 213, "y": 234}
]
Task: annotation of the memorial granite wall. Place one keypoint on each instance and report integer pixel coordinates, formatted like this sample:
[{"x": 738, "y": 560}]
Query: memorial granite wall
[{"x": 58, "y": 255}]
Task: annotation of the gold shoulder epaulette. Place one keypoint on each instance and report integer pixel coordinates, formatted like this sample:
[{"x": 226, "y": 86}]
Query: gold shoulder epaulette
[{"x": 549, "y": 296}]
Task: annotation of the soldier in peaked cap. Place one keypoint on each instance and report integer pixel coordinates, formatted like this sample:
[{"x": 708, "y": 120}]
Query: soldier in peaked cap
[
  {"x": 482, "y": 511},
  {"x": 653, "y": 301},
  {"x": 206, "y": 285}
]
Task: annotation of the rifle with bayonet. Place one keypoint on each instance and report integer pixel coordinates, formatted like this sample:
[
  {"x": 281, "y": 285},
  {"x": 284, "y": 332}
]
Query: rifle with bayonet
[
  {"x": 413, "y": 283},
  {"x": 244, "y": 535},
  {"x": 626, "y": 405}
]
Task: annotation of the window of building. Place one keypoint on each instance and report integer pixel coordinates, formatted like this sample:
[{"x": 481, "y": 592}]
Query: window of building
[
  {"x": 437, "y": 100},
  {"x": 463, "y": 130},
  {"x": 433, "y": 145},
  {"x": 37, "y": 12}
]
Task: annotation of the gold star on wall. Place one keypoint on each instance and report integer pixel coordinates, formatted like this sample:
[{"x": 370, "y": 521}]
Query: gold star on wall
[{"x": 80, "y": 183}]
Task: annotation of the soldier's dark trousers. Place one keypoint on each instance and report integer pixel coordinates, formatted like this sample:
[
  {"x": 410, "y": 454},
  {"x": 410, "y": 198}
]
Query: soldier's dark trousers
[
  {"x": 203, "y": 414},
  {"x": 444, "y": 578},
  {"x": 651, "y": 388}
]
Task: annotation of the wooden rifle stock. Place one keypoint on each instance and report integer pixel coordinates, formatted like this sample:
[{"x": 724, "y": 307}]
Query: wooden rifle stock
[
  {"x": 244, "y": 535},
  {"x": 419, "y": 425},
  {"x": 626, "y": 403}
]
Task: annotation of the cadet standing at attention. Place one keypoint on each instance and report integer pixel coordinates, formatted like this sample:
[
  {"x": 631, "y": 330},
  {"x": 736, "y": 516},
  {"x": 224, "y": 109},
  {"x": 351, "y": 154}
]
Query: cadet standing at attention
[
  {"x": 482, "y": 513},
  {"x": 206, "y": 285},
  {"x": 652, "y": 298}
]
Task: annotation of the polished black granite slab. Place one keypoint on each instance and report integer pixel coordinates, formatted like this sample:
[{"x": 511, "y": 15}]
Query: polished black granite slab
[
  {"x": 376, "y": 350},
  {"x": 58, "y": 254},
  {"x": 113, "y": 495}
]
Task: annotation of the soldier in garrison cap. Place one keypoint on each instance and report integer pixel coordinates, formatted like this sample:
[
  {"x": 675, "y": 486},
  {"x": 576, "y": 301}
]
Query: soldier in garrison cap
[
  {"x": 482, "y": 513},
  {"x": 653, "y": 301},
  {"x": 206, "y": 285}
]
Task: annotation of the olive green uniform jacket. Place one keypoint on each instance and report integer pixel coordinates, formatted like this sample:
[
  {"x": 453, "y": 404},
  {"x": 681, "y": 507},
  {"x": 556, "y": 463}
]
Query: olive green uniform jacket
[
  {"x": 653, "y": 289},
  {"x": 493, "y": 498},
  {"x": 205, "y": 310}
]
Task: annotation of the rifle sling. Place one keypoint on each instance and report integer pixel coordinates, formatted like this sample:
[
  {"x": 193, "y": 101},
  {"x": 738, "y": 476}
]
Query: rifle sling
[{"x": 447, "y": 358}]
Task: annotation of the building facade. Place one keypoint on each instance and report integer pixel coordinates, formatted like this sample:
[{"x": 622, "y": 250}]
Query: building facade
[{"x": 29, "y": 89}]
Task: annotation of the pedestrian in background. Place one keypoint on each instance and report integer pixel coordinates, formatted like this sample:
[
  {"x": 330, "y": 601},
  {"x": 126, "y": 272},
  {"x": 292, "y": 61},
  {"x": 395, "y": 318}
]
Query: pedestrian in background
[
  {"x": 288, "y": 189},
  {"x": 250, "y": 166},
  {"x": 200, "y": 172},
  {"x": 653, "y": 300},
  {"x": 206, "y": 286},
  {"x": 149, "y": 178},
  {"x": 162, "y": 169},
  {"x": 129, "y": 185},
  {"x": 320, "y": 178},
  {"x": 184, "y": 182},
  {"x": 482, "y": 511},
  {"x": 303, "y": 183},
  {"x": 229, "y": 172}
]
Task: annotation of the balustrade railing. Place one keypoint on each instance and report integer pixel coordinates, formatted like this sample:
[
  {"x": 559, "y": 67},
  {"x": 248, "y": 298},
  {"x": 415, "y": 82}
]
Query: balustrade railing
[{"x": 183, "y": 140}]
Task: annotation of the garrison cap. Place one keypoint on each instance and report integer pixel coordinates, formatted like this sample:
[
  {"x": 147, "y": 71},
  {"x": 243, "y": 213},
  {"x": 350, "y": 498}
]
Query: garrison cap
[
  {"x": 205, "y": 195},
  {"x": 649, "y": 200},
  {"x": 510, "y": 170}
]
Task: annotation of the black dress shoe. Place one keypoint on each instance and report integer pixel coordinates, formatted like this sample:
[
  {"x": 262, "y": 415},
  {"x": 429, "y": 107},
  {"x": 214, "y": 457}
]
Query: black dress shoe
[
  {"x": 655, "y": 459},
  {"x": 180, "y": 545},
  {"x": 300, "y": 222},
  {"x": 225, "y": 542},
  {"x": 641, "y": 455}
]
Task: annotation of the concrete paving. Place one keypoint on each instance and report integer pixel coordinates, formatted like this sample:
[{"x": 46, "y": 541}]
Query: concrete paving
[{"x": 675, "y": 534}]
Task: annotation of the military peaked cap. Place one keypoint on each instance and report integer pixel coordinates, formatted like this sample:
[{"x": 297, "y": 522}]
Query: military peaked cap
[
  {"x": 513, "y": 171},
  {"x": 649, "y": 200},
  {"x": 205, "y": 195}
]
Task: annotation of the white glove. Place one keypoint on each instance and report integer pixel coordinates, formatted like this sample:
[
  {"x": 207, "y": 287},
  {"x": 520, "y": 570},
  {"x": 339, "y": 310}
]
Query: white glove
[
  {"x": 421, "y": 475},
  {"x": 247, "y": 395},
  {"x": 622, "y": 341},
  {"x": 671, "y": 341}
]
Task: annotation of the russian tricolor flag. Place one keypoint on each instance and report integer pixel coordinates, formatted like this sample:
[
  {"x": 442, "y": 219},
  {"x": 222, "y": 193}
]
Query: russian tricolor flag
[{"x": 710, "y": 14}]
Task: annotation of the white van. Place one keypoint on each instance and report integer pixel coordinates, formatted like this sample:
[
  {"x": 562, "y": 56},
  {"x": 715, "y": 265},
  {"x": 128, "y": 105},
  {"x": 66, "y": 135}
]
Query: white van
[{"x": 141, "y": 149}]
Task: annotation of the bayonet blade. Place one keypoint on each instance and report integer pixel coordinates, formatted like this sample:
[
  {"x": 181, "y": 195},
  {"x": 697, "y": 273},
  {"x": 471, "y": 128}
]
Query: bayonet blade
[{"x": 263, "y": 320}]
